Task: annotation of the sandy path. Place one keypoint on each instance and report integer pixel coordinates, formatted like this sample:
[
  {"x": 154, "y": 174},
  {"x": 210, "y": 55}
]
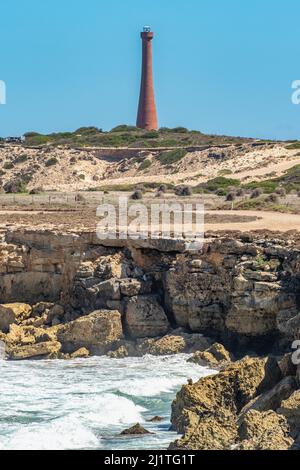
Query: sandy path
[
  {"x": 267, "y": 220},
  {"x": 273, "y": 221}
]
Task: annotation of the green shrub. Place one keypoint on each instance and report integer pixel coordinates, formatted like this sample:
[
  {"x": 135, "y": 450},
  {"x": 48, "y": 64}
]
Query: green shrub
[
  {"x": 256, "y": 193},
  {"x": 137, "y": 195},
  {"x": 225, "y": 172},
  {"x": 183, "y": 191},
  {"x": 81, "y": 177},
  {"x": 21, "y": 159},
  {"x": 52, "y": 161},
  {"x": 151, "y": 135},
  {"x": 170, "y": 157},
  {"x": 124, "y": 127},
  {"x": 219, "y": 183},
  {"x": 15, "y": 186},
  {"x": 180, "y": 130},
  {"x": 267, "y": 186},
  {"x": 88, "y": 131},
  {"x": 231, "y": 196},
  {"x": 145, "y": 164},
  {"x": 8, "y": 166}
]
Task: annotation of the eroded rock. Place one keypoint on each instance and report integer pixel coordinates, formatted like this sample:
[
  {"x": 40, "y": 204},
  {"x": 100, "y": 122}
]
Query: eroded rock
[
  {"x": 145, "y": 317},
  {"x": 49, "y": 348},
  {"x": 97, "y": 331},
  {"x": 13, "y": 313}
]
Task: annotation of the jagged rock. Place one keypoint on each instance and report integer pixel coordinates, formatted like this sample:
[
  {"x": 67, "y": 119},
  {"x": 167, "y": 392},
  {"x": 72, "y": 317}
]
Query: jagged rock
[
  {"x": 80, "y": 353},
  {"x": 206, "y": 412},
  {"x": 145, "y": 317},
  {"x": 55, "y": 312},
  {"x": 136, "y": 430},
  {"x": 13, "y": 313},
  {"x": 254, "y": 313},
  {"x": 272, "y": 399},
  {"x": 41, "y": 307},
  {"x": 132, "y": 287},
  {"x": 155, "y": 419},
  {"x": 290, "y": 409},
  {"x": 162, "y": 346},
  {"x": 264, "y": 431},
  {"x": 119, "y": 353},
  {"x": 178, "y": 342},
  {"x": 50, "y": 348},
  {"x": 286, "y": 365},
  {"x": 20, "y": 335},
  {"x": 96, "y": 331},
  {"x": 215, "y": 356}
]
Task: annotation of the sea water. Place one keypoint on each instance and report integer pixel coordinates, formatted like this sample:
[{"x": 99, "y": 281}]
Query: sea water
[{"x": 86, "y": 403}]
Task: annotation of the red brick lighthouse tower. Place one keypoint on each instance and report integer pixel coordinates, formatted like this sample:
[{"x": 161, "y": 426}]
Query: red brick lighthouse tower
[{"x": 147, "y": 117}]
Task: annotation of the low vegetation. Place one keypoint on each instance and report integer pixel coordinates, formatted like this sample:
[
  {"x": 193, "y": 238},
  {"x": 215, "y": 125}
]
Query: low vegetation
[
  {"x": 288, "y": 182},
  {"x": 145, "y": 165},
  {"x": 129, "y": 136},
  {"x": 219, "y": 184},
  {"x": 51, "y": 161},
  {"x": 173, "y": 156}
]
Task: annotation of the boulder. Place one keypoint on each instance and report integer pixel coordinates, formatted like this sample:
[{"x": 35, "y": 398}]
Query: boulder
[
  {"x": 132, "y": 287},
  {"x": 176, "y": 343},
  {"x": 20, "y": 335},
  {"x": 145, "y": 317},
  {"x": 272, "y": 399},
  {"x": 119, "y": 353},
  {"x": 96, "y": 332},
  {"x": 286, "y": 365},
  {"x": 290, "y": 409},
  {"x": 215, "y": 356},
  {"x": 206, "y": 412},
  {"x": 49, "y": 348},
  {"x": 136, "y": 430},
  {"x": 80, "y": 353},
  {"x": 264, "y": 431},
  {"x": 55, "y": 312},
  {"x": 13, "y": 313},
  {"x": 155, "y": 419}
]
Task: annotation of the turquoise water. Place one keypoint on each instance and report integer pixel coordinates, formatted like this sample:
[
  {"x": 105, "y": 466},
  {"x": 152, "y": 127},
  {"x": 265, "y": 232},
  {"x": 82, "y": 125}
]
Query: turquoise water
[{"x": 86, "y": 403}]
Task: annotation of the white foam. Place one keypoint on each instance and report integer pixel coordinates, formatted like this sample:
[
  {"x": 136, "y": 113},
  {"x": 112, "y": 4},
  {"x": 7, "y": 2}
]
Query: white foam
[
  {"x": 62, "y": 434},
  {"x": 71, "y": 404},
  {"x": 112, "y": 410}
]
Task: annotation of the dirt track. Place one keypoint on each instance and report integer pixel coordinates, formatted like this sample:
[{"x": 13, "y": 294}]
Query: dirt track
[
  {"x": 265, "y": 221},
  {"x": 217, "y": 220}
]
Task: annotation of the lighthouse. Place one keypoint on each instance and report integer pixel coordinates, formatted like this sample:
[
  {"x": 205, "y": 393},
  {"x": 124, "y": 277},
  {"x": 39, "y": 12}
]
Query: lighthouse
[{"x": 147, "y": 116}]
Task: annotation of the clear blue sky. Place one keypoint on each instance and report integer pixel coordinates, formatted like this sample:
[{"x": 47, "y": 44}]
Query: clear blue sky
[{"x": 221, "y": 66}]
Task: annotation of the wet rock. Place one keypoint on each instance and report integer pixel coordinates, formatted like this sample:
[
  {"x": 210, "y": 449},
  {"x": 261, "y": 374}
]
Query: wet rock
[
  {"x": 145, "y": 317},
  {"x": 155, "y": 419},
  {"x": 50, "y": 348},
  {"x": 176, "y": 343},
  {"x": 80, "y": 353},
  {"x": 136, "y": 430},
  {"x": 215, "y": 356},
  {"x": 119, "y": 353}
]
